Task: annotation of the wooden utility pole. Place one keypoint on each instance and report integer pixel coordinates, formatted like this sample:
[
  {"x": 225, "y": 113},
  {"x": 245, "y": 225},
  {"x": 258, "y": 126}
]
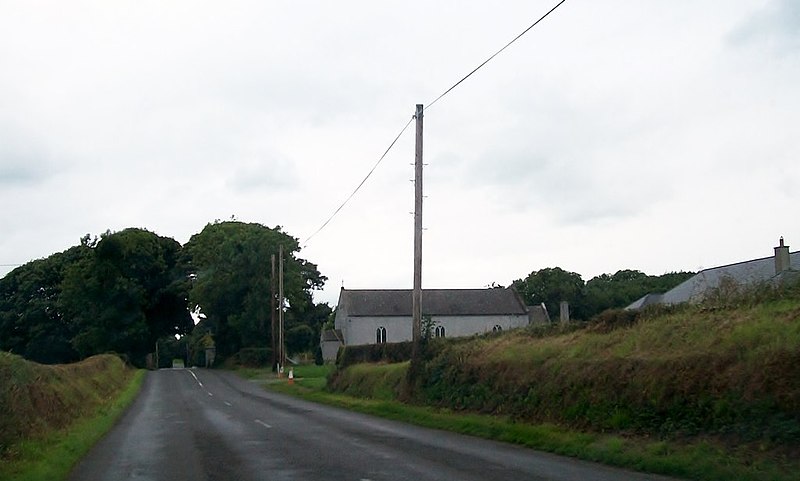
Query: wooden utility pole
[
  {"x": 272, "y": 310},
  {"x": 281, "y": 336},
  {"x": 416, "y": 295}
]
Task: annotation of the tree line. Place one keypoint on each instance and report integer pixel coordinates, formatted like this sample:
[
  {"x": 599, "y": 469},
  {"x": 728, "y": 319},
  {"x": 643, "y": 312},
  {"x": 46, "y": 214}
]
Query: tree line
[
  {"x": 128, "y": 291},
  {"x": 552, "y": 285},
  {"x": 125, "y": 291}
]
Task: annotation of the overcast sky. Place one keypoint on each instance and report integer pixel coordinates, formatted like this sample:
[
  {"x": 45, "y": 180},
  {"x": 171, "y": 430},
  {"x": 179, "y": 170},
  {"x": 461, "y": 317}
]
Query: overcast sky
[{"x": 650, "y": 135}]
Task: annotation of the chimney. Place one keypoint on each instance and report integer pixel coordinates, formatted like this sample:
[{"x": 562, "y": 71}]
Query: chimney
[{"x": 781, "y": 258}]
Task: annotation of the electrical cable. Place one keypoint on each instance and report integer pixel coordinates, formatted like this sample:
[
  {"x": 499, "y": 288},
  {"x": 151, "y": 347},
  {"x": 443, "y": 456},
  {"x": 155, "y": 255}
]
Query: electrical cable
[
  {"x": 494, "y": 55},
  {"x": 424, "y": 109},
  {"x": 361, "y": 184}
]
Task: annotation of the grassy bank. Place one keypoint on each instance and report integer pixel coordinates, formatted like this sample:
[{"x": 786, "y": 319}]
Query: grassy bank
[
  {"x": 698, "y": 458},
  {"x": 52, "y": 415},
  {"x": 729, "y": 373},
  {"x": 708, "y": 392}
]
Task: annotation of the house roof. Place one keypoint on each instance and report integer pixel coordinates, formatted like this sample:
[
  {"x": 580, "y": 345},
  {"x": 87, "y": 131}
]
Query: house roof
[
  {"x": 645, "y": 300},
  {"x": 742, "y": 273},
  {"x": 538, "y": 314},
  {"x": 435, "y": 302},
  {"x": 332, "y": 335}
]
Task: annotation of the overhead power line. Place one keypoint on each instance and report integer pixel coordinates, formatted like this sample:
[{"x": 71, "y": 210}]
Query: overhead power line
[
  {"x": 358, "y": 187},
  {"x": 495, "y": 54}
]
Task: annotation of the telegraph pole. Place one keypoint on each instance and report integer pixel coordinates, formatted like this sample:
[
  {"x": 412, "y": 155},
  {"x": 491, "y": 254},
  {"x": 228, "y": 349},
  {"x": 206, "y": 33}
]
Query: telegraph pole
[
  {"x": 280, "y": 308},
  {"x": 272, "y": 310},
  {"x": 416, "y": 295}
]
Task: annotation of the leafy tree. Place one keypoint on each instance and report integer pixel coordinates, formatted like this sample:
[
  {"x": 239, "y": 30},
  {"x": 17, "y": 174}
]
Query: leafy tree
[
  {"x": 199, "y": 339},
  {"x": 299, "y": 339},
  {"x": 311, "y": 315},
  {"x": 622, "y": 288},
  {"x": 551, "y": 286},
  {"x": 126, "y": 295},
  {"x": 126, "y": 290},
  {"x": 170, "y": 348},
  {"x": 613, "y": 291},
  {"x": 230, "y": 264},
  {"x": 31, "y": 322},
  {"x": 606, "y": 291}
]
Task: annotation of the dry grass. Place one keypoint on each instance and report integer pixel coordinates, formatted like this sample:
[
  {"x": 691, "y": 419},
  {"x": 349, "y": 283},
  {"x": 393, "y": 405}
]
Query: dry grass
[{"x": 38, "y": 399}]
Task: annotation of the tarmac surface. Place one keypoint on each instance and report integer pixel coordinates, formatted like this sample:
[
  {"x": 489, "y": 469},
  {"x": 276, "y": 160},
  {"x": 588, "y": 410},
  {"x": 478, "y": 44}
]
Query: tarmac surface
[{"x": 207, "y": 425}]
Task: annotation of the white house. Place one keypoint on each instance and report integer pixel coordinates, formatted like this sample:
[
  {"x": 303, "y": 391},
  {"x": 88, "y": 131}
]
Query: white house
[{"x": 379, "y": 316}]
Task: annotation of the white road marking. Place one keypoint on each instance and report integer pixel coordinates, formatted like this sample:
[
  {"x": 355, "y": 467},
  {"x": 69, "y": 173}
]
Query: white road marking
[
  {"x": 207, "y": 392},
  {"x": 227, "y": 403},
  {"x": 258, "y": 421},
  {"x": 195, "y": 378}
]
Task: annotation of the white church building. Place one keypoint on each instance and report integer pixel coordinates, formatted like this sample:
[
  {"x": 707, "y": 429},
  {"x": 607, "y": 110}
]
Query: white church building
[{"x": 381, "y": 316}]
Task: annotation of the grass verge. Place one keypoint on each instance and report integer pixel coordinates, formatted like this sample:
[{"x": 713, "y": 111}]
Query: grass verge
[
  {"x": 700, "y": 459},
  {"x": 52, "y": 456}
]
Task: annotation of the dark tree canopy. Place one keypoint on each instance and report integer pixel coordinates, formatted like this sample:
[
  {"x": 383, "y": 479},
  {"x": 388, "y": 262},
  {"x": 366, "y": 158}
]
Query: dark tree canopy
[
  {"x": 127, "y": 290},
  {"x": 118, "y": 294},
  {"x": 622, "y": 288},
  {"x": 32, "y": 323},
  {"x": 607, "y": 291},
  {"x": 231, "y": 266},
  {"x": 126, "y": 295},
  {"x": 551, "y": 286}
]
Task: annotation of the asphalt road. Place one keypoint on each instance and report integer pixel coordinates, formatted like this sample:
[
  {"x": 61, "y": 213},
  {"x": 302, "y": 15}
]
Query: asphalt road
[{"x": 198, "y": 425}]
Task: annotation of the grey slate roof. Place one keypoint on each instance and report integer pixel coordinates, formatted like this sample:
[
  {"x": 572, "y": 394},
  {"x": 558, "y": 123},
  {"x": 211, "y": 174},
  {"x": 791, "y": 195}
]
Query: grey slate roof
[
  {"x": 435, "y": 302},
  {"x": 744, "y": 273},
  {"x": 538, "y": 314},
  {"x": 332, "y": 335},
  {"x": 645, "y": 300}
]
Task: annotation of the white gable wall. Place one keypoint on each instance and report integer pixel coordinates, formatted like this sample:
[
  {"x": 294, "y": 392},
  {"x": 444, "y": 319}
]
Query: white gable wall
[
  {"x": 329, "y": 350},
  {"x": 359, "y": 330}
]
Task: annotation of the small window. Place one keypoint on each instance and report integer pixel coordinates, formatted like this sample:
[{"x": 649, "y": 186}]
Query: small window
[
  {"x": 439, "y": 331},
  {"x": 497, "y": 328},
  {"x": 380, "y": 335}
]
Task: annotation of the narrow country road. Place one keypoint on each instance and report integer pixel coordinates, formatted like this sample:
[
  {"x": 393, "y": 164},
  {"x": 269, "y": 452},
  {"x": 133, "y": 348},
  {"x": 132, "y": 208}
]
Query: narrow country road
[{"x": 211, "y": 425}]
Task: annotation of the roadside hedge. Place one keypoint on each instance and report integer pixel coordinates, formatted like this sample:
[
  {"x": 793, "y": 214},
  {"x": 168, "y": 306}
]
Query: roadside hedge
[{"x": 388, "y": 352}]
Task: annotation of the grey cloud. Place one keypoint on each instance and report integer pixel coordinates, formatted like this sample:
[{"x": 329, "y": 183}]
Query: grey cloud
[
  {"x": 569, "y": 191},
  {"x": 267, "y": 175},
  {"x": 18, "y": 175},
  {"x": 776, "y": 25},
  {"x": 21, "y": 166}
]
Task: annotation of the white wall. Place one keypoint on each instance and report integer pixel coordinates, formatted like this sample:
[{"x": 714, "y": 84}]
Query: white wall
[
  {"x": 362, "y": 330},
  {"x": 469, "y": 325},
  {"x": 329, "y": 350}
]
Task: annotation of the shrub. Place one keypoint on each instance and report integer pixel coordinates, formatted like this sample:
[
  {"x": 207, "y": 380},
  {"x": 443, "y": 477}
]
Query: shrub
[
  {"x": 611, "y": 319},
  {"x": 254, "y": 357},
  {"x": 389, "y": 352}
]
